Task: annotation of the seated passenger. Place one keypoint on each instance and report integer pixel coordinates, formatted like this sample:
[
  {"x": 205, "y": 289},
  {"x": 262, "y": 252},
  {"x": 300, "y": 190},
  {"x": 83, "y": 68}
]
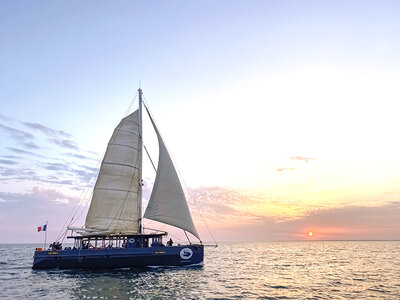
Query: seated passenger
[
  {"x": 85, "y": 245},
  {"x": 58, "y": 246}
]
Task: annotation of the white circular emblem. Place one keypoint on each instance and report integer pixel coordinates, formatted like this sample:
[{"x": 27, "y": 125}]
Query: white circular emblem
[
  {"x": 186, "y": 253},
  {"x": 131, "y": 240}
]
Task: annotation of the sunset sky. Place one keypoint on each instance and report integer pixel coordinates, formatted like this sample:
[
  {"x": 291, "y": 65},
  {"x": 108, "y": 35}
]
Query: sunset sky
[{"x": 281, "y": 116}]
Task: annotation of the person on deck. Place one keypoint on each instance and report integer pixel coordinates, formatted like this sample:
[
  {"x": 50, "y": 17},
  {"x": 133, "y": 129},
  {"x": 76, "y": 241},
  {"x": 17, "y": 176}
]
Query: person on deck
[
  {"x": 58, "y": 246},
  {"x": 169, "y": 243}
]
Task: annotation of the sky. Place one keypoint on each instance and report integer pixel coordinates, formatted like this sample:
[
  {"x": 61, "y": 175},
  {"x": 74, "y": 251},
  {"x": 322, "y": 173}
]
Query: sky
[{"x": 281, "y": 116}]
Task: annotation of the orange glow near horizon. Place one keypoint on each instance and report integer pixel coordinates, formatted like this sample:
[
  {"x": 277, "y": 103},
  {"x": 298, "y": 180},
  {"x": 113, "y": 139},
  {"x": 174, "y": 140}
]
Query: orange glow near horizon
[{"x": 310, "y": 234}]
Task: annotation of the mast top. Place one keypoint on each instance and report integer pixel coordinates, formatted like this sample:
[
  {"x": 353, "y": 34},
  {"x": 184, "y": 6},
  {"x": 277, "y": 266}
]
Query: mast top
[{"x": 140, "y": 94}]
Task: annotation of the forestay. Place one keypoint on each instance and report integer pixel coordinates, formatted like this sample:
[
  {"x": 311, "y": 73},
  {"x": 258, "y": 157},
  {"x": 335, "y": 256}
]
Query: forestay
[
  {"x": 115, "y": 202},
  {"x": 167, "y": 202}
]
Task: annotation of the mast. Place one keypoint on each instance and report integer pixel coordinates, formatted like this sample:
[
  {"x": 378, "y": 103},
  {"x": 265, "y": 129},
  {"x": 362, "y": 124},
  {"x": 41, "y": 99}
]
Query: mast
[{"x": 140, "y": 161}]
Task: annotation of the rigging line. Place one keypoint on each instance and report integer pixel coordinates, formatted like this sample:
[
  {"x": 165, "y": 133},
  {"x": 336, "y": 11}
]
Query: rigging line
[
  {"x": 156, "y": 230},
  {"x": 131, "y": 104},
  {"x": 201, "y": 215},
  {"x": 187, "y": 237},
  {"x": 76, "y": 206},
  {"x": 181, "y": 177},
  {"x": 177, "y": 238},
  {"x": 148, "y": 155},
  {"x": 86, "y": 198},
  {"x": 194, "y": 201},
  {"x": 83, "y": 208}
]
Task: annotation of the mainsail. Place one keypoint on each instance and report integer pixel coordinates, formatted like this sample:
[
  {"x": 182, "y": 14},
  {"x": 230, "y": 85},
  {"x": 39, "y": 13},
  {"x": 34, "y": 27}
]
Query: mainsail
[
  {"x": 115, "y": 205},
  {"x": 167, "y": 202}
]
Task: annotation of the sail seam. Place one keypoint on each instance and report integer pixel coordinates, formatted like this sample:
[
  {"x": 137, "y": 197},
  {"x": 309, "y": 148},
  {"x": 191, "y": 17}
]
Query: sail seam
[
  {"x": 134, "y": 122},
  {"x": 125, "y": 146},
  {"x": 119, "y": 164},
  {"x": 105, "y": 218},
  {"x": 105, "y": 189},
  {"x": 124, "y": 130}
]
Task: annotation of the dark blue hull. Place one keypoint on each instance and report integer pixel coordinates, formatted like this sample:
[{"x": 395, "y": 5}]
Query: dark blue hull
[{"x": 119, "y": 257}]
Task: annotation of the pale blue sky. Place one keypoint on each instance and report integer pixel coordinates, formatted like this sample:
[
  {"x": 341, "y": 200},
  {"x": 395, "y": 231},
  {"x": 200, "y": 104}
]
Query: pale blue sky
[
  {"x": 74, "y": 55},
  {"x": 74, "y": 66}
]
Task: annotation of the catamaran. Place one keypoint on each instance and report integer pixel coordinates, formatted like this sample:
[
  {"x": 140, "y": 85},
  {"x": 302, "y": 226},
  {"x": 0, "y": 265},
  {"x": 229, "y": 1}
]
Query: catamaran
[{"x": 113, "y": 235}]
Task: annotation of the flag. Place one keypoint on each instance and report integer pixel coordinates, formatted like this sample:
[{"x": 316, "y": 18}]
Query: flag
[{"x": 42, "y": 228}]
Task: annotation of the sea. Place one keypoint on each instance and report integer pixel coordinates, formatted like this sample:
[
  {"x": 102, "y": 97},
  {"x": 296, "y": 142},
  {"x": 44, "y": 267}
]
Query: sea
[{"x": 265, "y": 270}]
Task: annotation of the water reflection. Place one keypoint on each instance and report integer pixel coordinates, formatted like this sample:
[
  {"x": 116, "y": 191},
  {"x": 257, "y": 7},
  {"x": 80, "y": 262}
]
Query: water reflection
[
  {"x": 289, "y": 270},
  {"x": 145, "y": 283}
]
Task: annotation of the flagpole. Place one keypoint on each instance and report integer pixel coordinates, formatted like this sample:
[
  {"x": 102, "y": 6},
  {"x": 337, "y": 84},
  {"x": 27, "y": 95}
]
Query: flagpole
[{"x": 45, "y": 238}]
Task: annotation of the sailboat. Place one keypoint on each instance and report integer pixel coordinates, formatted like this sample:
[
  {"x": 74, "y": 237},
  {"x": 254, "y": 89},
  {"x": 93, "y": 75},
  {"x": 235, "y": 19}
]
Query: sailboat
[{"x": 113, "y": 235}]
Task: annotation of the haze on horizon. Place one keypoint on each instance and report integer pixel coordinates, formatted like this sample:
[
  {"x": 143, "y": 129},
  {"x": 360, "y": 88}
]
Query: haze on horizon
[{"x": 282, "y": 116}]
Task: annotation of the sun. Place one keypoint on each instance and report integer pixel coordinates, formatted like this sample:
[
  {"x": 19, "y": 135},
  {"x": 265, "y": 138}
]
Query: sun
[{"x": 310, "y": 234}]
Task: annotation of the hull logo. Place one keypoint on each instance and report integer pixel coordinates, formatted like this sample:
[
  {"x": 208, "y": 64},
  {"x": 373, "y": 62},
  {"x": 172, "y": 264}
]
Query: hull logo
[{"x": 186, "y": 253}]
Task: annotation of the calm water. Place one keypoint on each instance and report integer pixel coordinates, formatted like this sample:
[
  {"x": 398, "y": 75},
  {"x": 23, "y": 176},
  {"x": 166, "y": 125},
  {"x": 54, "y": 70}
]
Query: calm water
[{"x": 271, "y": 270}]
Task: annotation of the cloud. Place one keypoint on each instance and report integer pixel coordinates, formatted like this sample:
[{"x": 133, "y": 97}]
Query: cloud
[
  {"x": 18, "y": 173},
  {"x": 21, "y": 151},
  {"x": 83, "y": 175},
  {"x": 56, "y": 166},
  {"x": 64, "y": 143},
  {"x": 223, "y": 208},
  {"x": 21, "y": 213},
  {"x": 66, "y": 175},
  {"x": 346, "y": 223},
  {"x": 26, "y": 149},
  {"x": 371, "y": 217},
  {"x": 5, "y": 118},
  {"x": 226, "y": 211},
  {"x": 11, "y": 156},
  {"x": 305, "y": 159},
  {"x": 58, "y": 137},
  {"x": 285, "y": 169},
  {"x": 26, "y": 145},
  {"x": 46, "y": 130},
  {"x": 218, "y": 203},
  {"x": 31, "y": 145},
  {"x": 16, "y": 134},
  {"x": 81, "y": 156},
  {"x": 38, "y": 194},
  {"x": 7, "y": 162}
]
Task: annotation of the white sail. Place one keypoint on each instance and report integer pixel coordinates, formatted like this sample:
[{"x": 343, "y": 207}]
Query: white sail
[
  {"x": 167, "y": 202},
  {"x": 115, "y": 203}
]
